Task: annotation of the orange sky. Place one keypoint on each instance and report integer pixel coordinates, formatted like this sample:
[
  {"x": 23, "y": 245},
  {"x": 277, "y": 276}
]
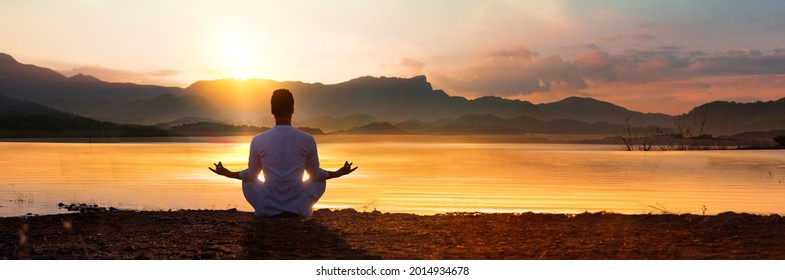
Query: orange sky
[{"x": 652, "y": 56}]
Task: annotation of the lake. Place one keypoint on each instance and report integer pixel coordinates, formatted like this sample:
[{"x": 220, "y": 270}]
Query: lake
[{"x": 408, "y": 174}]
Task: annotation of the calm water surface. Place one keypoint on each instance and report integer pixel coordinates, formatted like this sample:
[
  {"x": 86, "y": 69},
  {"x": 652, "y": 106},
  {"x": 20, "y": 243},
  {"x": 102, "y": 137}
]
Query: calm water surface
[{"x": 412, "y": 174}]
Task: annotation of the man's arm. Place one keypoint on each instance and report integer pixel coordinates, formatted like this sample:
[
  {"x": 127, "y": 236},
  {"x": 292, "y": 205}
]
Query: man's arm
[
  {"x": 221, "y": 170},
  {"x": 346, "y": 169}
]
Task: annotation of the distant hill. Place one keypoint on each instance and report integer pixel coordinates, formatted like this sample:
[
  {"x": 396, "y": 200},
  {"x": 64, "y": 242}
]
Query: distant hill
[
  {"x": 10, "y": 106},
  {"x": 387, "y": 99},
  {"x": 329, "y": 123},
  {"x": 165, "y": 107},
  {"x": 398, "y": 100},
  {"x": 215, "y": 129},
  {"x": 591, "y": 110},
  {"x": 221, "y": 129},
  {"x": 186, "y": 120},
  {"x": 37, "y": 84},
  {"x": 91, "y": 97},
  {"x": 489, "y": 124},
  {"x": 760, "y": 135},
  {"x": 375, "y": 128},
  {"x": 728, "y": 118},
  {"x": 12, "y": 70},
  {"x": 22, "y": 119},
  {"x": 492, "y": 125}
]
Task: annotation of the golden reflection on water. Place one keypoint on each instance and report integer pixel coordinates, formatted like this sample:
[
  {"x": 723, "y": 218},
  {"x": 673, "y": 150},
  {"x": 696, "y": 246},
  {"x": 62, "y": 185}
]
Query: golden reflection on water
[{"x": 414, "y": 174}]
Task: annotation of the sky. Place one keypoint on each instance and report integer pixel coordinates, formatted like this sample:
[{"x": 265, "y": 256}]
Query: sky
[{"x": 650, "y": 56}]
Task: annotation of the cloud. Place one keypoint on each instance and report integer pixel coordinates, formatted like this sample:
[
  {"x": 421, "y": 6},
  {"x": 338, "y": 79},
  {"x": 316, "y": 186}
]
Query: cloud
[
  {"x": 516, "y": 71},
  {"x": 404, "y": 67},
  {"x": 591, "y": 46},
  {"x": 511, "y": 72},
  {"x": 158, "y": 77},
  {"x": 673, "y": 80},
  {"x": 597, "y": 65},
  {"x": 411, "y": 64},
  {"x": 739, "y": 62},
  {"x": 676, "y": 78},
  {"x": 631, "y": 66},
  {"x": 668, "y": 62},
  {"x": 519, "y": 53},
  {"x": 645, "y": 25},
  {"x": 635, "y": 37}
]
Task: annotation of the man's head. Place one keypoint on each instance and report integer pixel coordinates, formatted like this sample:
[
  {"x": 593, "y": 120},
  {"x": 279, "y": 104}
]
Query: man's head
[{"x": 282, "y": 103}]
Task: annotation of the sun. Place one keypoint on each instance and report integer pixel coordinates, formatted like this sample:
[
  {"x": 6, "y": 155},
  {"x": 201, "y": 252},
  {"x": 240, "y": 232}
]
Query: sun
[{"x": 236, "y": 57}]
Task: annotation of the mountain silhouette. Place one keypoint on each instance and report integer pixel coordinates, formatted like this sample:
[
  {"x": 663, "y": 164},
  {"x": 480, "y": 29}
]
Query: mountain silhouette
[
  {"x": 10, "y": 106},
  {"x": 526, "y": 124},
  {"x": 592, "y": 110},
  {"x": 19, "y": 118},
  {"x": 728, "y": 118},
  {"x": 388, "y": 99},
  {"x": 398, "y": 100},
  {"x": 91, "y": 97},
  {"x": 12, "y": 70},
  {"x": 329, "y": 123},
  {"x": 490, "y": 124},
  {"x": 375, "y": 128},
  {"x": 86, "y": 79},
  {"x": 411, "y": 104}
]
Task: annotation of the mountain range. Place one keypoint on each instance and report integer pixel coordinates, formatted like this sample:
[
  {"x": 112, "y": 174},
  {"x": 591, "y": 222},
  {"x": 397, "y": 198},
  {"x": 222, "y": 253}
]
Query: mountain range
[
  {"x": 90, "y": 97},
  {"x": 397, "y": 100},
  {"x": 411, "y": 104}
]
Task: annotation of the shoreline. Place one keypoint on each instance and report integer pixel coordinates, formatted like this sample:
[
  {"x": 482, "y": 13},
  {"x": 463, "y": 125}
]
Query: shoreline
[{"x": 348, "y": 234}]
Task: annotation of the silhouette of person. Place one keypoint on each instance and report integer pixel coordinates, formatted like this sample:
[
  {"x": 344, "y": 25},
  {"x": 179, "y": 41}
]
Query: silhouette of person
[{"x": 283, "y": 153}]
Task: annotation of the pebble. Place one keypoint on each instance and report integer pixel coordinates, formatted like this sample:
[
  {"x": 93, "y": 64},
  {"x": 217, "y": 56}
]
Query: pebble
[{"x": 83, "y": 207}]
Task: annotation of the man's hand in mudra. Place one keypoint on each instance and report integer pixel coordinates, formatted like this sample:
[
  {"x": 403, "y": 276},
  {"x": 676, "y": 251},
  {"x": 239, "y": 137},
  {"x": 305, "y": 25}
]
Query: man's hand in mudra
[
  {"x": 346, "y": 169},
  {"x": 221, "y": 170}
]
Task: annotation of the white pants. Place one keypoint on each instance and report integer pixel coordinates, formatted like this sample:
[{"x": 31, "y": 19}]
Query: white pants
[{"x": 297, "y": 202}]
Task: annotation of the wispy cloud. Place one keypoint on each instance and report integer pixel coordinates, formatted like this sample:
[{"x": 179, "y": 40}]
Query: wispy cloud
[
  {"x": 403, "y": 67},
  {"x": 510, "y": 72},
  {"x": 645, "y": 25},
  {"x": 634, "y": 37}
]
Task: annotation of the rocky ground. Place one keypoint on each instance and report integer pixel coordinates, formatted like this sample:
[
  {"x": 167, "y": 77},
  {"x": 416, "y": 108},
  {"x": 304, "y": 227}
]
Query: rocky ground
[{"x": 347, "y": 234}]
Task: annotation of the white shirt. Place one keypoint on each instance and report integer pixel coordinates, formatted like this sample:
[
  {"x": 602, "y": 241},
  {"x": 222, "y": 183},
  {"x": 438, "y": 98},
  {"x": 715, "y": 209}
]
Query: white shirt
[{"x": 283, "y": 153}]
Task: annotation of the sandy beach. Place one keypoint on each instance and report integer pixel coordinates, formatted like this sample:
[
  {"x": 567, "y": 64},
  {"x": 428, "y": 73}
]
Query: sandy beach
[{"x": 347, "y": 234}]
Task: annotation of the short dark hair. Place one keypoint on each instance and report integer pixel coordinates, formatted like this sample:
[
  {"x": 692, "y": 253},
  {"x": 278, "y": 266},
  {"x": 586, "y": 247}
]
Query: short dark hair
[{"x": 282, "y": 102}]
